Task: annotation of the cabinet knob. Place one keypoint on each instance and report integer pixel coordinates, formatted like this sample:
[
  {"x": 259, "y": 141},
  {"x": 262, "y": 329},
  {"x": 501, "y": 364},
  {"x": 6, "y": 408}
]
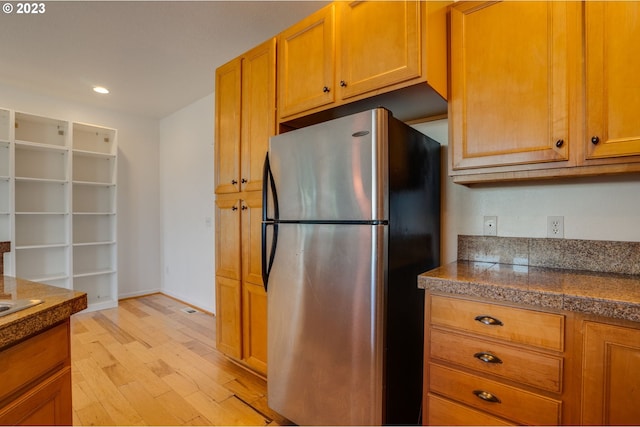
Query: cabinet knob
[
  {"x": 488, "y": 320},
  {"x": 244, "y": 207},
  {"x": 559, "y": 143},
  {"x": 595, "y": 140},
  {"x": 343, "y": 83},
  {"x": 486, "y": 396},
  {"x": 326, "y": 89},
  {"x": 244, "y": 181},
  {"x": 234, "y": 208},
  {"x": 234, "y": 181},
  {"x": 487, "y": 357}
]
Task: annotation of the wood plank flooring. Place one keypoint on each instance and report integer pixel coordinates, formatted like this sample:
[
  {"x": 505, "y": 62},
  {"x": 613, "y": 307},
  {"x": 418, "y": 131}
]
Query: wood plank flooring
[{"x": 147, "y": 362}]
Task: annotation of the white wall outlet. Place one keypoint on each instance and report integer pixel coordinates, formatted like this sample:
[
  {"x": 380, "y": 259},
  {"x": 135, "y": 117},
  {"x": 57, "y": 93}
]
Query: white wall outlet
[
  {"x": 555, "y": 227},
  {"x": 490, "y": 226}
]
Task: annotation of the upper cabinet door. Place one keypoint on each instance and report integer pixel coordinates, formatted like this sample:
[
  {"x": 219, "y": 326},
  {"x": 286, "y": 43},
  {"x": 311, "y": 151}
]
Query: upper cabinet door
[
  {"x": 509, "y": 84},
  {"x": 306, "y": 60},
  {"x": 379, "y": 45},
  {"x": 227, "y": 133},
  {"x": 612, "y": 35},
  {"x": 245, "y": 118},
  {"x": 258, "y": 111}
]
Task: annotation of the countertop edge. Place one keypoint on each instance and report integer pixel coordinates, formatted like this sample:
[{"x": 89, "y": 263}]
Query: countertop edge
[
  {"x": 59, "y": 304},
  {"x": 478, "y": 283}
]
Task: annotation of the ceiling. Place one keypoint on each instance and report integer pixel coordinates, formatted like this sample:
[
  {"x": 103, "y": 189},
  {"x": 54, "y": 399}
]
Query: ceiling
[{"x": 154, "y": 56}]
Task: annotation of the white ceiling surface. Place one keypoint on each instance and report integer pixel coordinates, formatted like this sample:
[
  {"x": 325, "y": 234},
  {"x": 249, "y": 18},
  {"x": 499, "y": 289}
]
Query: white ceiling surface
[{"x": 155, "y": 56}]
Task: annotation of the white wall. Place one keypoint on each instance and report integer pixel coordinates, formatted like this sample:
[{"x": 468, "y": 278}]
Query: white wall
[
  {"x": 186, "y": 183},
  {"x": 605, "y": 208},
  {"x": 138, "y": 191}
]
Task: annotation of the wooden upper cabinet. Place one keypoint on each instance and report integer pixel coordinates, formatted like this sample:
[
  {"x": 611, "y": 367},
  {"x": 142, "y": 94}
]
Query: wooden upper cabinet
[
  {"x": 258, "y": 112},
  {"x": 611, "y": 364},
  {"x": 352, "y": 50},
  {"x": 379, "y": 45},
  {"x": 227, "y": 127},
  {"x": 245, "y": 118},
  {"x": 509, "y": 84},
  {"x": 306, "y": 63},
  {"x": 612, "y": 36}
]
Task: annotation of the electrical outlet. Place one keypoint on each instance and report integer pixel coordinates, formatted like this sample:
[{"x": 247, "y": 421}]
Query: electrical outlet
[
  {"x": 490, "y": 226},
  {"x": 555, "y": 227}
]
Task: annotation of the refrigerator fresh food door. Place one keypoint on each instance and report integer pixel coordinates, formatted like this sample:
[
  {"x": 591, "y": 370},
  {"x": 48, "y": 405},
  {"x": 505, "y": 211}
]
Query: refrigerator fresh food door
[
  {"x": 325, "y": 305},
  {"x": 332, "y": 171}
]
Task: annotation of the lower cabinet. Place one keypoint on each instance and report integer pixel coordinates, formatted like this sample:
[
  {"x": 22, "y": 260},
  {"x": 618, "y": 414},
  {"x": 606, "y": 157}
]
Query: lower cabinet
[
  {"x": 611, "y": 380},
  {"x": 496, "y": 364},
  {"x": 492, "y": 364},
  {"x": 241, "y": 301},
  {"x": 36, "y": 385}
]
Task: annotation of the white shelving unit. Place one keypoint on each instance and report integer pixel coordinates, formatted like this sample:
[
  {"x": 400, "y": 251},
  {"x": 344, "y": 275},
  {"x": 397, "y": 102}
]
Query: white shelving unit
[
  {"x": 58, "y": 203},
  {"x": 94, "y": 213}
]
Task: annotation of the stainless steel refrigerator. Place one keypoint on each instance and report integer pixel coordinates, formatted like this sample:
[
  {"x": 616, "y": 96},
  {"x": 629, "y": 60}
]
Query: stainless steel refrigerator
[{"x": 351, "y": 216}]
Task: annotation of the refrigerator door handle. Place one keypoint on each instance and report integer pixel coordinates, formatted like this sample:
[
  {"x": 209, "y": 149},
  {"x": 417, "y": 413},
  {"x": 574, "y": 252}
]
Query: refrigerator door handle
[
  {"x": 268, "y": 183},
  {"x": 267, "y": 265}
]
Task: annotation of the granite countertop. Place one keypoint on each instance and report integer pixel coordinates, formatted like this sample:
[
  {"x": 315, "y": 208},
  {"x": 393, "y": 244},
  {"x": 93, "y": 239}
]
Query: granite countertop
[
  {"x": 59, "y": 304},
  {"x": 592, "y": 277},
  {"x": 604, "y": 294}
]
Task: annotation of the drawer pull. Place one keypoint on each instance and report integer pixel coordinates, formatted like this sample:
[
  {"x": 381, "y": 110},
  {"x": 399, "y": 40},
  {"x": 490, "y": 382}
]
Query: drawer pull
[
  {"x": 487, "y": 357},
  {"x": 486, "y": 396},
  {"x": 488, "y": 320}
]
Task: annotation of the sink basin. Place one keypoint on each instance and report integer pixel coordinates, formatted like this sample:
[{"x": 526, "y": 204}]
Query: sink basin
[{"x": 8, "y": 306}]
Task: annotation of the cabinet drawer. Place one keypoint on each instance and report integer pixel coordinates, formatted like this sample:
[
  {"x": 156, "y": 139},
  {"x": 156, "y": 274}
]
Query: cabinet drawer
[
  {"x": 516, "y": 364},
  {"x": 29, "y": 361},
  {"x": 515, "y": 404},
  {"x": 444, "y": 412},
  {"x": 544, "y": 330}
]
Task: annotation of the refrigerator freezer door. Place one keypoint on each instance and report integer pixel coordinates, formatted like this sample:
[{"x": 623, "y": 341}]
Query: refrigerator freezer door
[
  {"x": 332, "y": 171},
  {"x": 325, "y": 324}
]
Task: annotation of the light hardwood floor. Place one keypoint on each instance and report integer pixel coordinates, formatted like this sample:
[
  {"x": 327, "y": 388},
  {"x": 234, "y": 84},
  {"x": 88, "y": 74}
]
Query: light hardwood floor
[{"x": 147, "y": 362}]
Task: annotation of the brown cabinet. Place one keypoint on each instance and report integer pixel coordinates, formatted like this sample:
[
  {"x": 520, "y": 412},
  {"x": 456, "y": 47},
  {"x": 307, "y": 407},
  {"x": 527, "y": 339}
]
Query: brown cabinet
[
  {"x": 492, "y": 363},
  {"x": 612, "y": 35},
  {"x": 611, "y": 371},
  {"x": 245, "y": 118},
  {"x": 36, "y": 384},
  {"x": 509, "y": 84},
  {"x": 241, "y": 317},
  {"x": 348, "y": 51},
  {"x": 534, "y": 83},
  {"x": 306, "y": 63}
]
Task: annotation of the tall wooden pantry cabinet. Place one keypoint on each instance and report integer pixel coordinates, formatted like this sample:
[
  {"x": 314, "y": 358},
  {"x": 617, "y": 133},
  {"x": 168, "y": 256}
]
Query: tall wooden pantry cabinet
[
  {"x": 58, "y": 203},
  {"x": 244, "y": 121}
]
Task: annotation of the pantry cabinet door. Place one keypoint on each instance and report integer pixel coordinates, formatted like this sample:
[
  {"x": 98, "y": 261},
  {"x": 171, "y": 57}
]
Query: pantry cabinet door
[
  {"x": 258, "y": 111},
  {"x": 509, "y": 84},
  {"x": 227, "y": 214},
  {"x": 227, "y": 127},
  {"x": 612, "y": 35}
]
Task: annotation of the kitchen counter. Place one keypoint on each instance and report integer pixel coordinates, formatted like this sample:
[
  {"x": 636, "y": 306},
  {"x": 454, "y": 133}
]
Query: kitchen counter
[
  {"x": 59, "y": 304},
  {"x": 603, "y": 294},
  {"x": 547, "y": 273}
]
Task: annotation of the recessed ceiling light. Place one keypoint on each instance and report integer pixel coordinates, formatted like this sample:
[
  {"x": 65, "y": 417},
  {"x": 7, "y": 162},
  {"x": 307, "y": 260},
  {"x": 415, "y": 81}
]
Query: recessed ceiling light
[{"x": 101, "y": 89}]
